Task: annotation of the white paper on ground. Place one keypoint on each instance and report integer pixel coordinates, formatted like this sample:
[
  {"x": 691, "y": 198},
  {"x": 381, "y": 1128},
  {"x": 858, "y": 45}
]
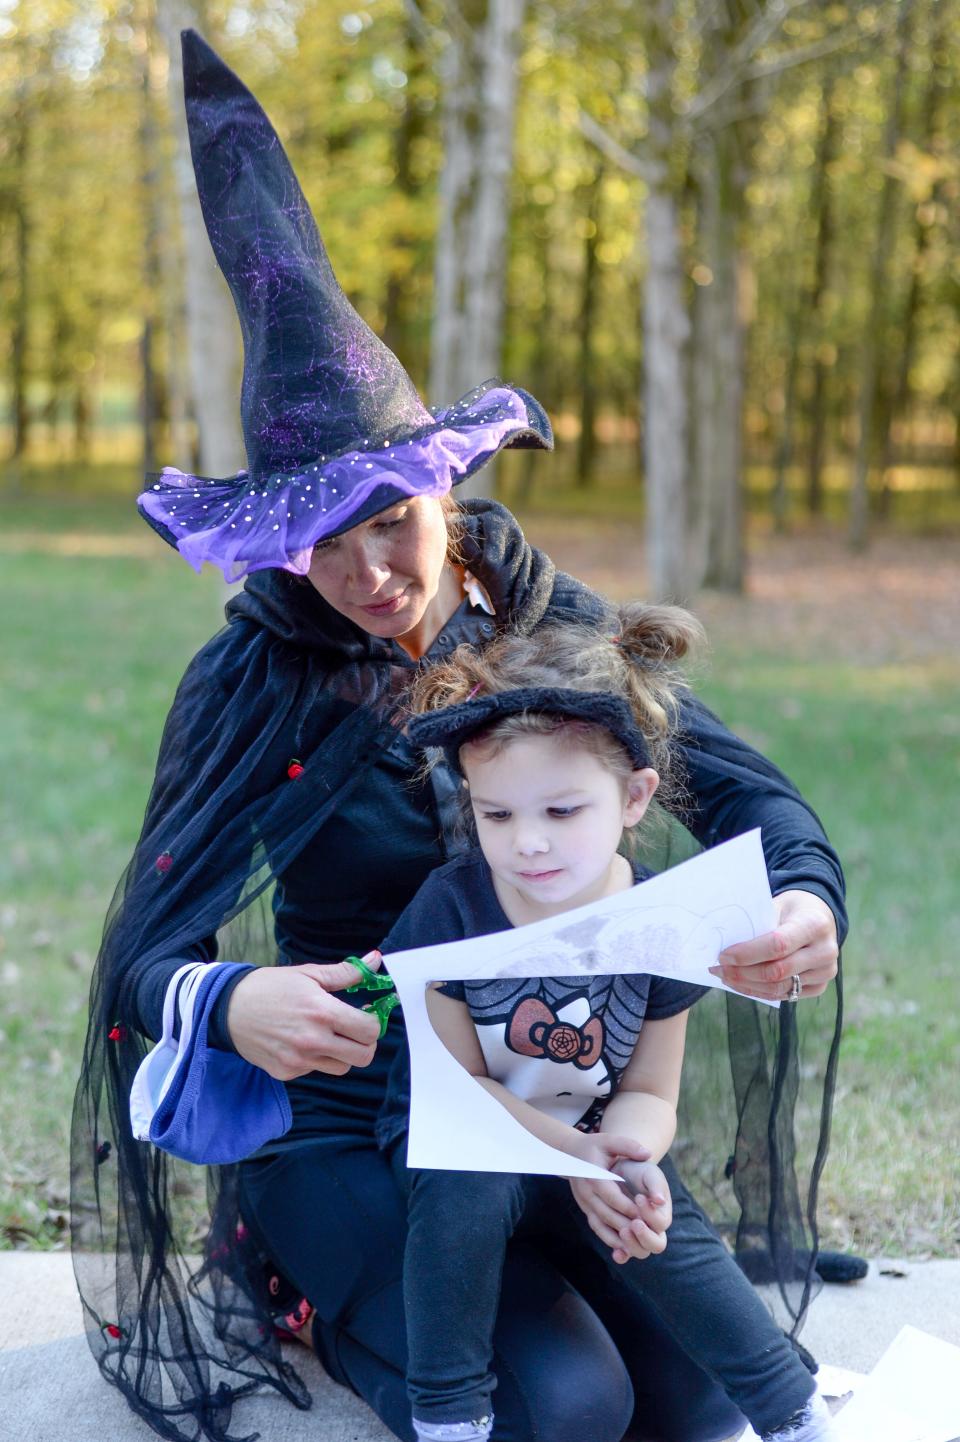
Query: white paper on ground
[
  {"x": 674, "y": 925},
  {"x": 833, "y": 1382},
  {"x": 837, "y": 1381},
  {"x": 911, "y": 1395}
]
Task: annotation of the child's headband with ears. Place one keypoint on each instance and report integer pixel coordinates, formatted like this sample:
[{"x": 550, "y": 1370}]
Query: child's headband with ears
[{"x": 451, "y": 726}]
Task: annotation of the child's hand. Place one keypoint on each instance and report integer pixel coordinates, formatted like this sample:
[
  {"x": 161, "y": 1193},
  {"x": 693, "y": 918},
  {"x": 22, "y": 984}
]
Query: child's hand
[
  {"x": 651, "y": 1195},
  {"x": 617, "y": 1219}
]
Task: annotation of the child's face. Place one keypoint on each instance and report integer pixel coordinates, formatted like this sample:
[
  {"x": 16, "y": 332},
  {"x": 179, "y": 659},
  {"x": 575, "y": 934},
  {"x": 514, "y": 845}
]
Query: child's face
[{"x": 549, "y": 818}]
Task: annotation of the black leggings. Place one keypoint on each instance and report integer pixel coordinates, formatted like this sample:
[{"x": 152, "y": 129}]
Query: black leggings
[
  {"x": 459, "y": 1226},
  {"x": 580, "y": 1365}
]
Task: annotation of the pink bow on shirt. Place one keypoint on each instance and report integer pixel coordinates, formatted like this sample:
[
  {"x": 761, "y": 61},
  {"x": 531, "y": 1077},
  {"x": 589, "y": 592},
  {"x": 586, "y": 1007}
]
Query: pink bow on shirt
[{"x": 535, "y": 1030}]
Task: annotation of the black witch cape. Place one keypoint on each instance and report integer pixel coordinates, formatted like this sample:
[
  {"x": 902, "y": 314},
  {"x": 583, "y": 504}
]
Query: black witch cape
[{"x": 174, "y": 1312}]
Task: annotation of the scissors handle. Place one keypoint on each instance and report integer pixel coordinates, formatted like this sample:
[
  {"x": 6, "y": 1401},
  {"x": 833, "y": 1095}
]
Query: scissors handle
[{"x": 369, "y": 980}]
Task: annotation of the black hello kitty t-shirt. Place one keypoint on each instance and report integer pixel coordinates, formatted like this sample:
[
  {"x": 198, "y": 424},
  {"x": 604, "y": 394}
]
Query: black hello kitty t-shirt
[{"x": 560, "y": 1043}]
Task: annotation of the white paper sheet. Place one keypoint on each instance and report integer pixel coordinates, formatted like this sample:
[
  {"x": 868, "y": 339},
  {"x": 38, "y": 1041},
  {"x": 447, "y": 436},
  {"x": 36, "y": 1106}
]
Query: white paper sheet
[
  {"x": 838, "y": 1381},
  {"x": 911, "y": 1395},
  {"x": 674, "y": 925}
]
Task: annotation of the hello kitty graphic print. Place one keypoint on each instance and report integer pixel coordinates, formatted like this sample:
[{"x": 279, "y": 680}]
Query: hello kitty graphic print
[
  {"x": 560, "y": 1043},
  {"x": 548, "y": 1052}
]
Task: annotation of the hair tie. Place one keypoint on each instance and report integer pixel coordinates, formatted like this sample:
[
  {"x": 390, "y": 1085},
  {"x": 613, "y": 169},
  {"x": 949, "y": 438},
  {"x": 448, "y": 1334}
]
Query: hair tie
[{"x": 473, "y": 693}]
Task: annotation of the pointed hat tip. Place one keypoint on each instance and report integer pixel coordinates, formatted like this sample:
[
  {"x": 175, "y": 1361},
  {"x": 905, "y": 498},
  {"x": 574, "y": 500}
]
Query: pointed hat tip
[{"x": 198, "y": 58}]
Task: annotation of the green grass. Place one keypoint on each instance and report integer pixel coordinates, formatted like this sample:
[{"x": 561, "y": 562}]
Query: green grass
[
  {"x": 875, "y": 751},
  {"x": 99, "y": 622},
  {"x": 92, "y": 649}
]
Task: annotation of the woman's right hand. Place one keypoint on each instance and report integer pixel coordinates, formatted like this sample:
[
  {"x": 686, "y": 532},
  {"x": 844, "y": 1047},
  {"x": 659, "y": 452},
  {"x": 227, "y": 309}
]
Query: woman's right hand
[{"x": 286, "y": 1020}]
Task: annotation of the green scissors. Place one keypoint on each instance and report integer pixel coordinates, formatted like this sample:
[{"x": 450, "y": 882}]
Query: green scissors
[{"x": 381, "y": 1006}]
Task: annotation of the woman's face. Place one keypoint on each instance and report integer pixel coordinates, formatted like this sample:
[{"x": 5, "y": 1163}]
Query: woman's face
[{"x": 385, "y": 573}]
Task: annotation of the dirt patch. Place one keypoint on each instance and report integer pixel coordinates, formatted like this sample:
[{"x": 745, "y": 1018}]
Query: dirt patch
[{"x": 807, "y": 596}]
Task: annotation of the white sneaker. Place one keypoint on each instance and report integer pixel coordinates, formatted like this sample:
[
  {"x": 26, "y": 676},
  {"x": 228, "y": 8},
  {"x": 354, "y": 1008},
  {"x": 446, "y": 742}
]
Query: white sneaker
[{"x": 476, "y": 1431}]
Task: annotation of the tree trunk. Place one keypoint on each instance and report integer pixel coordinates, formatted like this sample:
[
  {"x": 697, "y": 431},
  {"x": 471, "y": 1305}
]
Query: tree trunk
[
  {"x": 399, "y": 330},
  {"x": 717, "y": 536},
  {"x": 213, "y": 332},
  {"x": 58, "y": 358},
  {"x": 907, "y": 330},
  {"x": 586, "y": 445},
  {"x": 479, "y": 79},
  {"x": 20, "y": 336},
  {"x": 780, "y": 496},
  {"x": 174, "y": 328},
  {"x": 542, "y": 371},
  {"x": 873, "y": 336},
  {"x": 803, "y": 309},
  {"x": 81, "y": 419},
  {"x": 666, "y": 330},
  {"x": 152, "y": 204},
  {"x": 171, "y": 306},
  {"x": 822, "y": 203}
]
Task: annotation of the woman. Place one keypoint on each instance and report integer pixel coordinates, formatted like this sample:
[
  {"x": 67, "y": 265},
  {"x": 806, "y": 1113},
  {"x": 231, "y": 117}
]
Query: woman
[{"x": 285, "y": 778}]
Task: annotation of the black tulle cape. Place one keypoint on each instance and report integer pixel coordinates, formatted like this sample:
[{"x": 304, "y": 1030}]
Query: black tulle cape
[{"x": 175, "y": 1311}]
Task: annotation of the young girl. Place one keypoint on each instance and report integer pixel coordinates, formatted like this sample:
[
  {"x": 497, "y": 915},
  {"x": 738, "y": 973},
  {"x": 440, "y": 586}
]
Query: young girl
[{"x": 562, "y": 737}]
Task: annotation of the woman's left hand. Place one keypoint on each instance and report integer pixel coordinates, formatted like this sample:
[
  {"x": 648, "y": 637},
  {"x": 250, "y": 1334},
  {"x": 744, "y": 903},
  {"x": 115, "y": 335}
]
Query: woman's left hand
[{"x": 804, "y": 944}]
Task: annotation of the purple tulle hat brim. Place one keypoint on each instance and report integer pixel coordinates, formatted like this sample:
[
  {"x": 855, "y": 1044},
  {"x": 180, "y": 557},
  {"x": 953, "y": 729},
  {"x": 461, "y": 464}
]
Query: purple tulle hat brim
[{"x": 243, "y": 526}]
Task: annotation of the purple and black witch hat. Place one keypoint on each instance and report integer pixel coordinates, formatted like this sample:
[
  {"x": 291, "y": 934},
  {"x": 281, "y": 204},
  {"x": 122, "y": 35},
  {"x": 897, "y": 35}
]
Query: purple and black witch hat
[{"x": 333, "y": 426}]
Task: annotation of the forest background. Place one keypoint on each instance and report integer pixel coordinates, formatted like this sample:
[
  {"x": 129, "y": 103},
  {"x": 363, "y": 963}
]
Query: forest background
[{"x": 718, "y": 239}]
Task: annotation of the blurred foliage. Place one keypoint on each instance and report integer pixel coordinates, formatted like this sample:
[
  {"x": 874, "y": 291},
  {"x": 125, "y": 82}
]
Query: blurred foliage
[{"x": 354, "y": 92}]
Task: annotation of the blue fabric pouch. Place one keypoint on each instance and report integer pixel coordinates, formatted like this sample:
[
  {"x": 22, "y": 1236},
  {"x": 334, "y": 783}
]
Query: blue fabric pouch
[{"x": 199, "y": 1103}]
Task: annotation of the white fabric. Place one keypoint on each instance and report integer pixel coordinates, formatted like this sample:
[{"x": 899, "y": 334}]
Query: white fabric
[
  {"x": 478, "y": 1431},
  {"x": 156, "y": 1072},
  {"x": 813, "y": 1424},
  {"x": 476, "y": 594}
]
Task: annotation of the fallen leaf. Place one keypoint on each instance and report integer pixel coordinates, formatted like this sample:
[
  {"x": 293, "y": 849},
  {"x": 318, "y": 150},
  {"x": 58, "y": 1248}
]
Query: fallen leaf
[{"x": 20, "y": 1237}]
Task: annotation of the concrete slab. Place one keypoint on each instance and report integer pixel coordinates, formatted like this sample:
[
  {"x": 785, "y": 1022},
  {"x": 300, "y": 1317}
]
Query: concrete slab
[
  {"x": 852, "y": 1326},
  {"x": 50, "y": 1390}
]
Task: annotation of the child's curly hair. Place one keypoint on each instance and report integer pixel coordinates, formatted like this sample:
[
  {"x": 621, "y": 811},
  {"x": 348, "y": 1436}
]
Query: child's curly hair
[{"x": 636, "y": 660}]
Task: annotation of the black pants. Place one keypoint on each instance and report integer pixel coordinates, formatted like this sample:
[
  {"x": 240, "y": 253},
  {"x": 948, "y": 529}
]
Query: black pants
[
  {"x": 583, "y": 1364},
  {"x": 460, "y": 1224}
]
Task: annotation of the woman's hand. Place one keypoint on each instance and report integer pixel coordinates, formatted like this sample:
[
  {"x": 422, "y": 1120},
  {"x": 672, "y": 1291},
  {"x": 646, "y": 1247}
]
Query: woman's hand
[
  {"x": 617, "y": 1219},
  {"x": 285, "y": 1020},
  {"x": 804, "y": 945}
]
